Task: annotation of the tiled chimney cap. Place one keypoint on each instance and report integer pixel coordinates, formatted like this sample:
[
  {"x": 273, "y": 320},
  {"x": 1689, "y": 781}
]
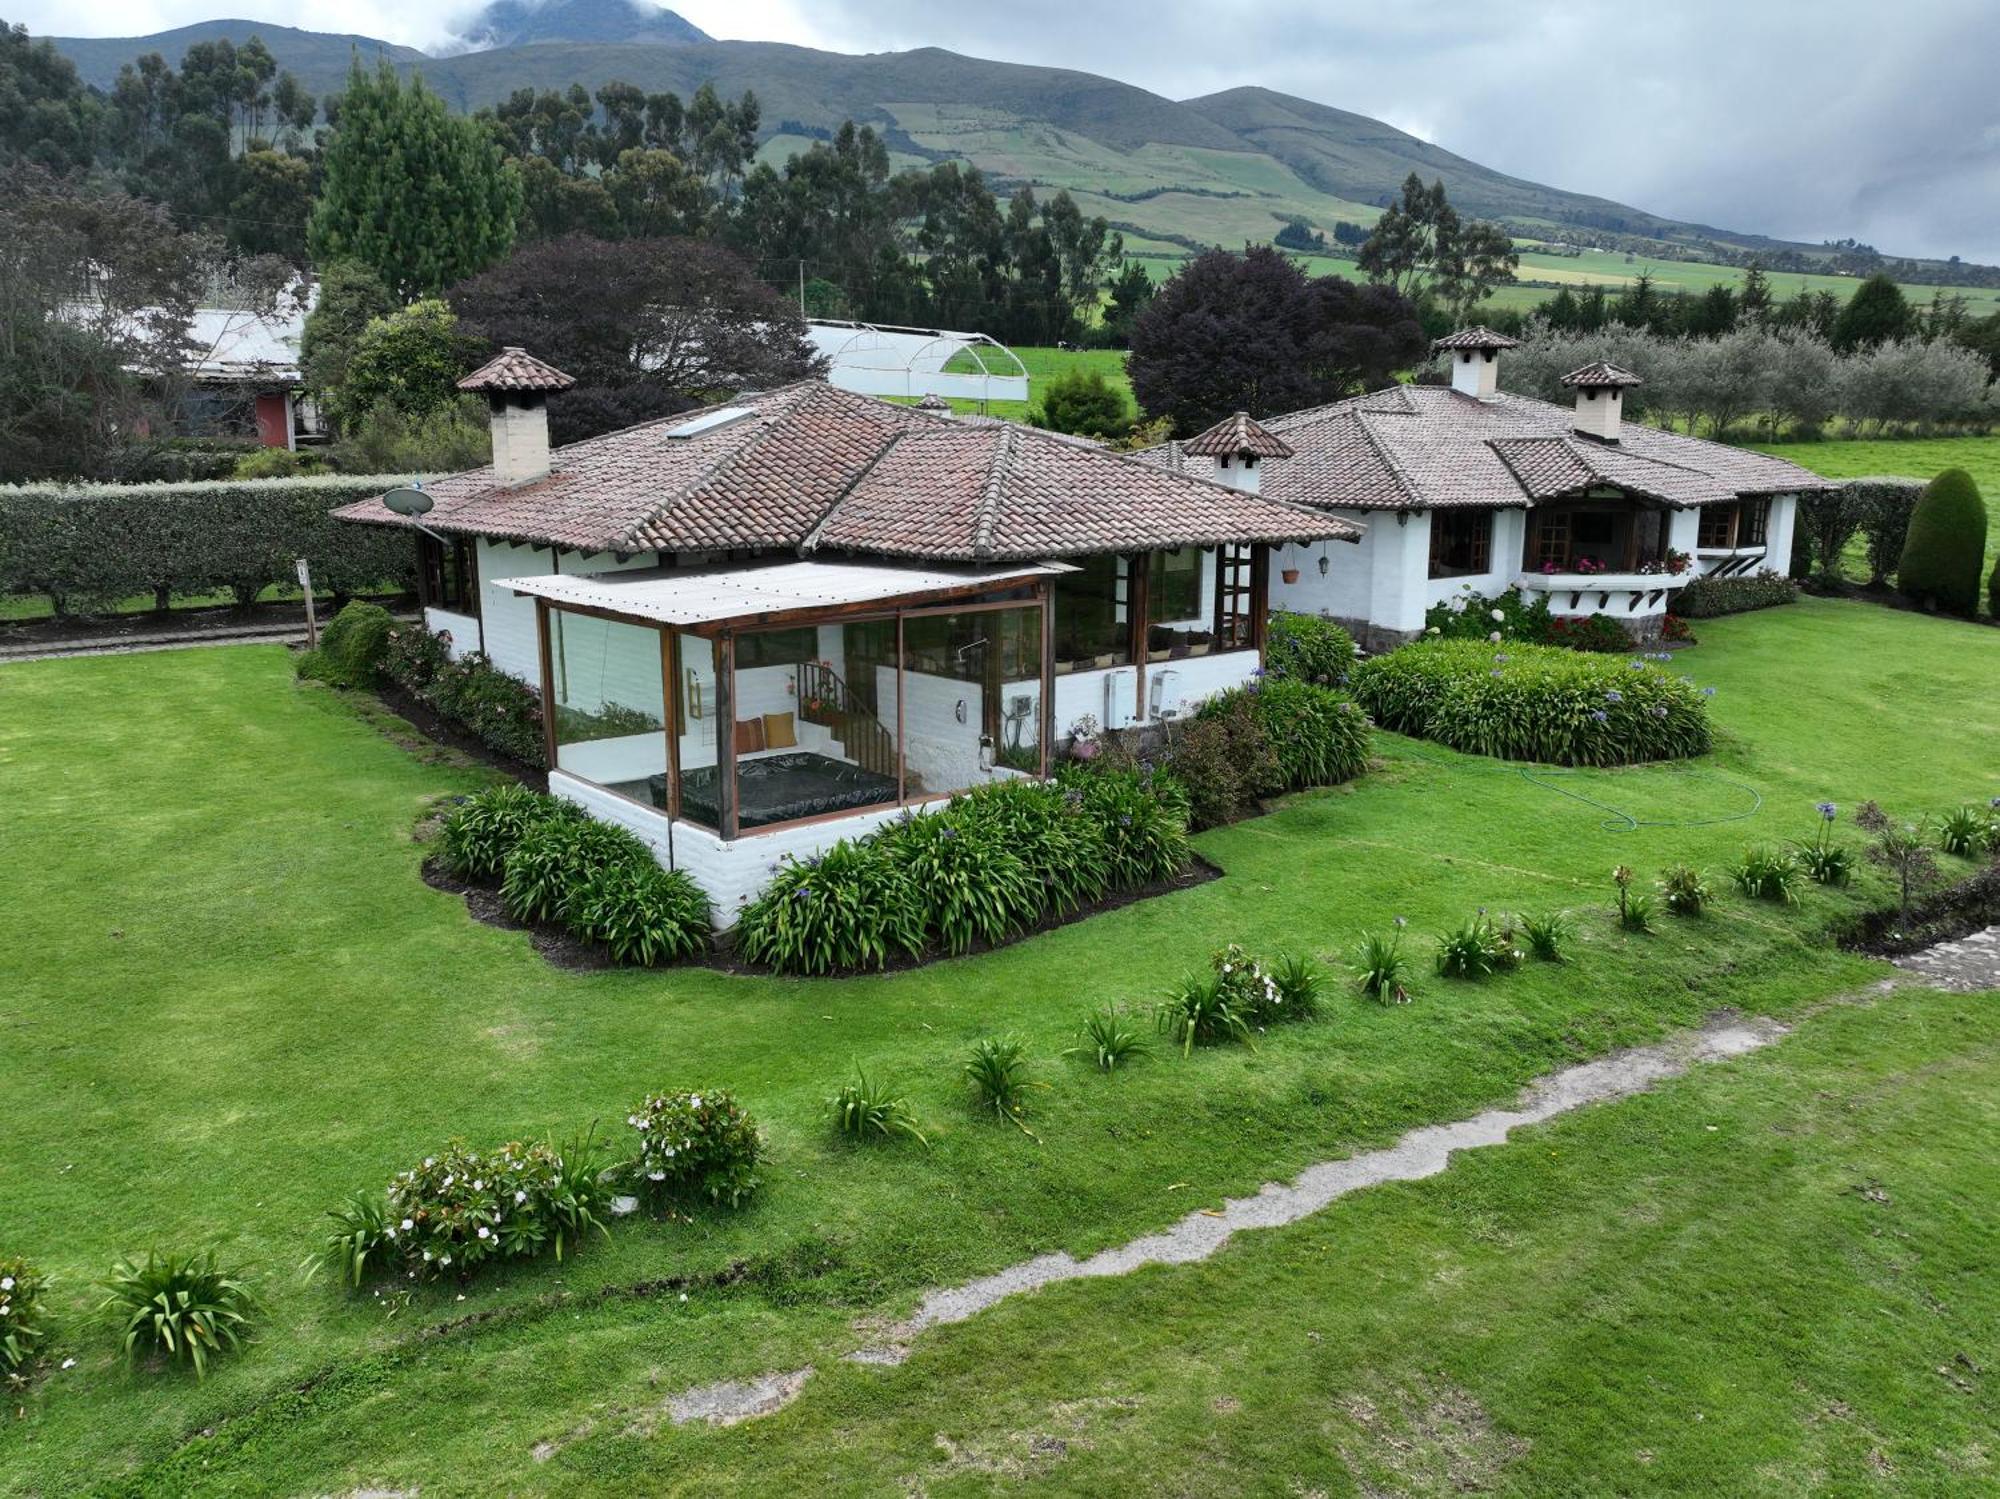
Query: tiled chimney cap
[
  {"x": 1601, "y": 374},
  {"x": 515, "y": 370},
  {"x": 1237, "y": 437},
  {"x": 1480, "y": 337}
]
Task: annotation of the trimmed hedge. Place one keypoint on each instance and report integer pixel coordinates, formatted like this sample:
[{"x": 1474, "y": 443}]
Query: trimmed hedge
[
  {"x": 1705, "y": 598},
  {"x": 1946, "y": 545},
  {"x": 91, "y": 545},
  {"x": 1527, "y": 702},
  {"x": 1883, "y": 505}
]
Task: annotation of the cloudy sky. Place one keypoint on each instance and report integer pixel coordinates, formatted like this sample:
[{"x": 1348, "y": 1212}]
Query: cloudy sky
[{"x": 1807, "y": 119}]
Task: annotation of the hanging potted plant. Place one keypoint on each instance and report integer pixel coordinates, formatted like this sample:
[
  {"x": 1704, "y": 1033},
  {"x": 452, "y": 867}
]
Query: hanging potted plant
[{"x": 1290, "y": 573}]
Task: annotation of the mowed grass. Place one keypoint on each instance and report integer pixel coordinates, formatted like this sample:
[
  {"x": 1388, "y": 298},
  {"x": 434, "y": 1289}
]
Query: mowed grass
[
  {"x": 1044, "y": 365},
  {"x": 1918, "y": 458},
  {"x": 230, "y": 1001}
]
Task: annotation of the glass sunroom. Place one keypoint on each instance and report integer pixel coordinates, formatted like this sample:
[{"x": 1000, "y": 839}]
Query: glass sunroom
[{"x": 704, "y": 707}]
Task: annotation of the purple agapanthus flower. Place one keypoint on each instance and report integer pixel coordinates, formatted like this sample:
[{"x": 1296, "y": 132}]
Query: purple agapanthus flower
[
  {"x": 1660, "y": 711},
  {"x": 1600, "y": 715},
  {"x": 1827, "y": 810},
  {"x": 948, "y": 833},
  {"x": 1708, "y": 692},
  {"x": 1496, "y": 671},
  {"x": 1614, "y": 696},
  {"x": 1637, "y": 664}
]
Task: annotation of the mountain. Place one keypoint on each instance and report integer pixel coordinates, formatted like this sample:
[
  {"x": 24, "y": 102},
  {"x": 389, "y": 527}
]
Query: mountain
[
  {"x": 521, "y": 23},
  {"x": 1225, "y": 169}
]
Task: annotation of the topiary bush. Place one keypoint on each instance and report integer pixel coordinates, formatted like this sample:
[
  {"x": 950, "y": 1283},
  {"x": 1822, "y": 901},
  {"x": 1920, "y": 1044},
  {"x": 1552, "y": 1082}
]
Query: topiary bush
[
  {"x": 1537, "y": 703},
  {"x": 1705, "y": 598},
  {"x": 693, "y": 1148},
  {"x": 1883, "y": 506},
  {"x": 353, "y": 648},
  {"x": 1993, "y": 590},
  {"x": 1946, "y": 546},
  {"x": 1306, "y": 648},
  {"x": 853, "y": 906}
]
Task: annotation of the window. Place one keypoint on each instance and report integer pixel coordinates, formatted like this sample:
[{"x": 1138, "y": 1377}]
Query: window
[
  {"x": 1755, "y": 527},
  {"x": 777, "y": 647},
  {"x": 1093, "y": 614},
  {"x": 1174, "y": 589},
  {"x": 1461, "y": 543},
  {"x": 1551, "y": 533},
  {"x": 971, "y": 705},
  {"x": 1718, "y": 526},
  {"x": 448, "y": 574},
  {"x": 1236, "y": 598},
  {"x": 608, "y": 704}
]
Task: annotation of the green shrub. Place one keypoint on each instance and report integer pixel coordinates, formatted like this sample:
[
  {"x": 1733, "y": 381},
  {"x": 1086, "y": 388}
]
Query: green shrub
[
  {"x": 1223, "y": 760},
  {"x": 550, "y": 867},
  {"x": 1964, "y": 831},
  {"x": 92, "y": 545},
  {"x": 1300, "y": 987},
  {"x": 1319, "y": 737},
  {"x": 470, "y": 693},
  {"x": 1884, "y": 506},
  {"x": 1589, "y": 632},
  {"x": 643, "y": 913},
  {"x": 864, "y": 1111},
  {"x": 352, "y": 648},
  {"x": 1477, "y": 950},
  {"x": 1767, "y": 874},
  {"x": 1903, "y": 849},
  {"x": 693, "y": 1147},
  {"x": 1063, "y": 850},
  {"x": 1108, "y": 1040},
  {"x": 1380, "y": 967},
  {"x": 1705, "y": 598},
  {"x": 461, "y": 1209},
  {"x": 1947, "y": 542},
  {"x": 1527, "y": 702},
  {"x": 969, "y": 882},
  {"x": 1828, "y": 863},
  {"x": 1468, "y": 615},
  {"x": 187, "y": 1308},
  {"x": 1143, "y": 819},
  {"x": 478, "y": 834},
  {"x": 1306, "y": 648},
  {"x": 1635, "y": 912},
  {"x": 1548, "y": 937},
  {"x": 1202, "y": 1010},
  {"x": 851, "y": 907},
  {"x": 1993, "y": 590},
  {"x": 1684, "y": 890},
  {"x": 1827, "y": 520},
  {"x": 997, "y": 1071},
  {"x": 24, "y": 1321}
]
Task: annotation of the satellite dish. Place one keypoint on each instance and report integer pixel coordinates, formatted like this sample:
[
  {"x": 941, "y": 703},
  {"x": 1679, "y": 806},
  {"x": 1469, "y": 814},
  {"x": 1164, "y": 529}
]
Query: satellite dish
[{"x": 408, "y": 499}]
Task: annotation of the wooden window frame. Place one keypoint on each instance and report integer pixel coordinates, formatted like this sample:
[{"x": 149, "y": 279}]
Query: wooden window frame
[{"x": 1479, "y": 545}]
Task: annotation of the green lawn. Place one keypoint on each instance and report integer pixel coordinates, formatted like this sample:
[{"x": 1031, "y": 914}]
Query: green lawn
[
  {"x": 1917, "y": 457},
  {"x": 230, "y": 1001},
  {"x": 1044, "y": 365}
]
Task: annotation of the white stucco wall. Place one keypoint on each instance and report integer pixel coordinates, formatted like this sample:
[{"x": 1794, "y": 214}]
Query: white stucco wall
[
  {"x": 1778, "y": 534},
  {"x": 462, "y": 628},
  {"x": 510, "y": 618},
  {"x": 1381, "y": 581}
]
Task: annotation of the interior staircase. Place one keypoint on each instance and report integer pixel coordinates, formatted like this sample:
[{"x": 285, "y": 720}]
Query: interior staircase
[{"x": 826, "y": 700}]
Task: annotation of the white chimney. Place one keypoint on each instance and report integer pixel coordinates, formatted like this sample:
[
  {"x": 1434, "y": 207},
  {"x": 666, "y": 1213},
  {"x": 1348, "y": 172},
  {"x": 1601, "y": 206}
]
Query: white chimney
[
  {"x": 1475, "y": 360},
  {"x": 1239, "y": 448},
  {"x": 1600, "y": 399},
  {"x": 517, "y": 387}
]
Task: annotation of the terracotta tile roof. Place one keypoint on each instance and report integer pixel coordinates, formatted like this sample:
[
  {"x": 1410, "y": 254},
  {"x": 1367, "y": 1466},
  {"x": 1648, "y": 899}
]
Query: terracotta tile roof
[
  {"x": 1600, "y": 373},
  {"x": 812, "y": 468},
  {"x": 515, "y": 369},
  {"x": 1479, "y": 337},
  {"x": 1419, "y": 447},
  {"x": 1236, "y": 436}
]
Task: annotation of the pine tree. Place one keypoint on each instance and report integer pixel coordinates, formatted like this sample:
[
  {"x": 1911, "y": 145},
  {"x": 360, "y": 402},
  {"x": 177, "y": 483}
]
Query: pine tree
[
  {"x": 418, "y": 194},
  {"x": 1753, "y": 301},
  {"x": 1876, "y": 313}
]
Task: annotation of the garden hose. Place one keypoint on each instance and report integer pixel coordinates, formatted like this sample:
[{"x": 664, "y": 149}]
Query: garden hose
[{"x": 1615, "y": 821}]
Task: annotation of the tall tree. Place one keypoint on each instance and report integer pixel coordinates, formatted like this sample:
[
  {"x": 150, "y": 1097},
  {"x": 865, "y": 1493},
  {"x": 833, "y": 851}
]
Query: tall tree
[
  {"x": 1253, "y": 332},
  {"x": 351, "y": 296},
  {"x": 1421, "y": 245},
  {"x": 1876, "y": 313},
  {"x": 47, "y": 116},
  {"x": 418, "y": 193}
]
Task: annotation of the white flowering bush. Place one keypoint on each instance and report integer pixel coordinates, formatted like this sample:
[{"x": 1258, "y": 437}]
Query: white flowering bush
[
  {"x": 463, "y": 1208},
  {"x": 24, "y": 1324},
  {"x": 693, "y": 1147}
]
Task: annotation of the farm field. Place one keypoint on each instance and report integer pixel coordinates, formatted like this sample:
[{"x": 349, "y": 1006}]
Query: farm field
[
  {"x": 234, "y": 1002},
  {"x": 1917, "y": 457}
]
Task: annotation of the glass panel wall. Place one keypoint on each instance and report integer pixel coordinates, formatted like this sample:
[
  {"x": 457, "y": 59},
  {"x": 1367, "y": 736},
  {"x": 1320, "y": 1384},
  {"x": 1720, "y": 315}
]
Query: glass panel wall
[
  {"x": 609, "y": 704},
  {"x": 971, "y": 698},
  {"x": 1177, "y": 624},
  {"x": 1093, "y": 615},
  {"x": 697, "y": 742},
  {"x": 814, "y": 721}
]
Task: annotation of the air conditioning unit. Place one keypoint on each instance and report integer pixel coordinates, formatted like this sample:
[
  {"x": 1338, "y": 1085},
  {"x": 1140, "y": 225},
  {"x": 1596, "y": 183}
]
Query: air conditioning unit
[
  {"x": 1163, "y": 693},
  {"x": 1120, "y": 693}
]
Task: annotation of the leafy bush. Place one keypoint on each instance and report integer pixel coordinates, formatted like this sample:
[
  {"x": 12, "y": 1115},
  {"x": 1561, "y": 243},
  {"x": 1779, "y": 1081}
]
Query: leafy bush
[
  {"x": 1767, "y": 874},
  {"x": 352, "y": 647},
  {"x": 1380, "y": 967},
  {"x": 1108, "y": 1040},
  {"x": 1548, "y": 937},
  {"x": 853, "y": 906},
  {"x": 1589, "y": 632},
  {"x": 1827, "y": 520},
  {"x": 1320, "y": 738},
  {"x": 864, "y": 1111},
  {"x": 1884, "y": 506},
  {"x": 1527, "y": 702},
  {"x": 1962, "y": 831},
  {"x": 1705, "y": 598},
  {"x": 24, "y": 1322},
  {"x": 1993, "y": 590},
  {"x": 1300, "y": 986},
  {"x": 1684, "y": 890},
  {"x": 643, "y": 913},
  {"x": 1469, "y": 615},
  {"x": 91, "y": 545},
  {"x": 461, "y": 1209},
  {"x": 470, "y": 693},
  {"x": 553, "y": 862},
  {"x": 997, "y": 1069},
  {"x": 1306, "y": 648},
  {"x": 969, "y": 882},
  {"x": 1477, "y": 950},
  {"x": 1947, "y": 540},
  {"x": 692, "y": 1147},
  {"x": 186, "y": 1307},
  {"x": 478, "y": 834},
  {"x": 1202, "y": 1010},
  {"x": 1144, "y": 820},
  {"x": 1064, "y": 851},
  {"x": 1223, "y": 759},
  {"x": 1083, "y": 401}
]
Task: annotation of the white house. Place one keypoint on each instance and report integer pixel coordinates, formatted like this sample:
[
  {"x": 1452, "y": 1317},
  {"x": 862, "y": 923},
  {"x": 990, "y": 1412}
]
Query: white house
[
  {"x": 774, "y": 624},
  {"x": 1467, "y": 486}
]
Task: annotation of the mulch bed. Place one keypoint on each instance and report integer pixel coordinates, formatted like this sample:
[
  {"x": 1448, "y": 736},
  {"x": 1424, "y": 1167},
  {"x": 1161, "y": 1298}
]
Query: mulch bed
[
  {"x": 419, "y": 714},
  {"x": 1972, "y": 905}
]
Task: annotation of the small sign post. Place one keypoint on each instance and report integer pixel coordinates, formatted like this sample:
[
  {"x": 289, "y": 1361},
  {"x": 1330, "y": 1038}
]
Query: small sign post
[{"x": 312, "y": 620}]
